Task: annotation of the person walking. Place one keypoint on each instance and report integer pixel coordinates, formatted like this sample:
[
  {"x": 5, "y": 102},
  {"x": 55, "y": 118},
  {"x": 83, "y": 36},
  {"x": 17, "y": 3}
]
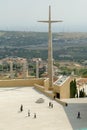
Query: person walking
[
  {"x": 78, "y": 116},
  {"x": 49, "y": 104},
  {"x": 52, "y": 105},
  {"x": 28, "y": 112},
  {"x": 35, "y": 115},
  {"x": 21, "y": 108}
]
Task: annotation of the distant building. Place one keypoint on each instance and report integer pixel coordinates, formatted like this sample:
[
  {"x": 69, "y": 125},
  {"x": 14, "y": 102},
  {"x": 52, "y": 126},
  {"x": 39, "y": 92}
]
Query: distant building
[
  {"x": 82, "y": 85},
  {"x": 35, "y": 59},
  {"x": 10, "y": 61},
  {"x": 61, "y": 87}
]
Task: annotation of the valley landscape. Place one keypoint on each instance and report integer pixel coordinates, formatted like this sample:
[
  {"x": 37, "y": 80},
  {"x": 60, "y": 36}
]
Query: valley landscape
[{"x": 66, "y": 46}]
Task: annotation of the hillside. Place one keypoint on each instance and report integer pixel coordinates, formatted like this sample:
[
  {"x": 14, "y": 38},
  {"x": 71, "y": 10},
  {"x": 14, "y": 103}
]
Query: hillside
[{"x": 66, "y": 46}]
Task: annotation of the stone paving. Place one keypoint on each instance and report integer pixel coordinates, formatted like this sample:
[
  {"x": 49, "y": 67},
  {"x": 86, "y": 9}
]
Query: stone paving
[
  {"x": 56, "y": 118},
  {"x": 47, "y": 118},
  {"x": 74, "y": 106}
]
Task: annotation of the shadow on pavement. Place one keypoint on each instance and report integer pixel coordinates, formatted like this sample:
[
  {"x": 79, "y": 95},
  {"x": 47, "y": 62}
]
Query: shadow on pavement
[
  {"x": 2, "y": 89},
  {"x": 72, "y": 112}
]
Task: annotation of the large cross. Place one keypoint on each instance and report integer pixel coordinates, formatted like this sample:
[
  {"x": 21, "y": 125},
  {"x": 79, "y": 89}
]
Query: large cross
[{"x": 50, "y": 50}]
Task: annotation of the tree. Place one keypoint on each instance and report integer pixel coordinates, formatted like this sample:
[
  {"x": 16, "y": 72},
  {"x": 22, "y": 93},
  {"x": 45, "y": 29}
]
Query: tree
[
  {"x": 73, "y": 88},
  {"x": 82, "y": 93},
  {"x": 1, "y": 67}
]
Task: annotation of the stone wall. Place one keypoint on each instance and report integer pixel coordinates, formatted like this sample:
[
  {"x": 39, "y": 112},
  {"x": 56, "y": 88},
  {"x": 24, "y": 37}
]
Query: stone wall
[
  {"x": 42, "y": 89},
  {"x": 61, "y": 102},
  {"x": 64, "y": 89},
  {"x": 21, "y": 82}
]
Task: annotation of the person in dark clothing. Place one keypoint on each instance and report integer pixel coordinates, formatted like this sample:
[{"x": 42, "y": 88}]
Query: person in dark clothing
[
  {"x": 28, "y": 112},
  {"x": 21, "y": 108},
  {"x": 49, "y": 104},
  {"x": 52, "y": 105},
  {"x": 54, "y": 97},
  {"x": 34, "y": 115},
  {"x": 66, "y": 104},
  {"x": 78, "y": 116}
]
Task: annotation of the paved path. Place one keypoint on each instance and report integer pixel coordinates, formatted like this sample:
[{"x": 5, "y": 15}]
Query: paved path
[
  {"x": 47, "y": 118},
  {"x": 74, "y": 106},
  {"x": 56, "y": 118}
]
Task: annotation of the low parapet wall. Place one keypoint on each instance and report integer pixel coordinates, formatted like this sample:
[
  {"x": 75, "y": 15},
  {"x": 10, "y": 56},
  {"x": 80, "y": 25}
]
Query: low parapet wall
[
  {"x": 38, "y": 83},
  {"x": 61, "y": 102},
  {"x": 20, "y": 82},
  {"x": 50, "y": 95},
  {"x": 42, "y": 89}
]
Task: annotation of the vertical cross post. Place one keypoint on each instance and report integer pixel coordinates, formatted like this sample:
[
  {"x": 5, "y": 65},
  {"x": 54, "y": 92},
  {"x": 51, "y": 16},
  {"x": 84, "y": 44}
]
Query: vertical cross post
[{"x": 50, "y": 50}]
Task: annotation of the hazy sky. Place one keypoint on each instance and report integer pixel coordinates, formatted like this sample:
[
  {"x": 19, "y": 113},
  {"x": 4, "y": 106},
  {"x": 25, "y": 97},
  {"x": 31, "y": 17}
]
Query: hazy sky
[{"x": 24, "y": 14}]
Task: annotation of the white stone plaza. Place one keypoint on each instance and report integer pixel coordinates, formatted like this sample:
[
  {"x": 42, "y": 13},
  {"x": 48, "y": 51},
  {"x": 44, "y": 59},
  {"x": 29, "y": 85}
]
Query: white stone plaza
[{"x": 56, "y": 118}]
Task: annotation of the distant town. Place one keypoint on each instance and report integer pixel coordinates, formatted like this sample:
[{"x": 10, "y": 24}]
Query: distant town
[{"x": 24, "y": 55}]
